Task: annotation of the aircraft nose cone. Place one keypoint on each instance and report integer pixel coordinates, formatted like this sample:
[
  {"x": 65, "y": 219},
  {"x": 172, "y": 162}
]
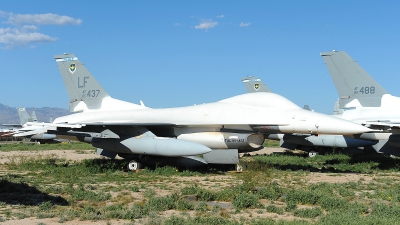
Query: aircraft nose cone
[{"x": 341, "y": 127}]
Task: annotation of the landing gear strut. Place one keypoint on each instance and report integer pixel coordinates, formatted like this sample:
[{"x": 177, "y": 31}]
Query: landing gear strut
[{"x": 239, "y": 168}]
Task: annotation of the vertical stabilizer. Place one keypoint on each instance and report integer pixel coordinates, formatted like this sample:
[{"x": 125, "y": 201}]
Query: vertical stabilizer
[
  {"x": 23, "y": 116},
  {"x": 356, "y": 88},
  {"x": 34, "y": 118},
  {"x": 84, "y": 91},
  {"x": 254, "y": 84}
]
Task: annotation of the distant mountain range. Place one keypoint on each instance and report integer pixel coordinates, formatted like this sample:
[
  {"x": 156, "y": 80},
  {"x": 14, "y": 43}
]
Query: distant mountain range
[{"x": 9, "y": 115}]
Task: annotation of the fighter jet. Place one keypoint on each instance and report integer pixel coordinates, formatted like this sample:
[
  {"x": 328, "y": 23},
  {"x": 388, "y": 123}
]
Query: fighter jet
[
  {"x": 218, "y": 131},
  {"x": 311, "y": 143},
  {"x": 365, "y": 101},
  {"x": 23, "y": 127}
]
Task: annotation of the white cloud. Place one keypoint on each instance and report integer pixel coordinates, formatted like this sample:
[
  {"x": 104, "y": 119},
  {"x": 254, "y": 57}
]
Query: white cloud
[
  {"x": 15, "y": 37},
  {"x": 207, "y": 24},
  {"x": 177, "y": 24},
  {"x": 220, "y": 16},
  {"x": 41, "y": 19},
  {"x": 4, "y": 14},
  {"x": 25, "y": 30},
  {"x": 244, "y": 24}
]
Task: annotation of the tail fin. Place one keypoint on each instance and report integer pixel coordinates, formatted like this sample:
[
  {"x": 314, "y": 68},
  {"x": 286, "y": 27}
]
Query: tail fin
[
  {"x": 336, "y": 109},
  {"x": 23, "y": 116},
  {"x": 356, "y": 88},
  {"x": 254, "y": 84},
  {"x": 84, "y": 91},
  {"x": 34, "y": 118}
]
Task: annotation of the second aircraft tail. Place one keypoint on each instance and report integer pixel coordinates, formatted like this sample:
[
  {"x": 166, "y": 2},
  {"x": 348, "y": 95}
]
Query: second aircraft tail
[
  {"x": 23, "y": 116},
  {"x": 254, "y": 84},
  {"x": 356, "y": 88}
]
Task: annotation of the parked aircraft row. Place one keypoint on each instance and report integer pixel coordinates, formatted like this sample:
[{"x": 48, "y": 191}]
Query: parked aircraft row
[
  {"x": 23, "y": 127},
  {"x": 361, "y": 100},
  {"x": 218, "y": 131}
]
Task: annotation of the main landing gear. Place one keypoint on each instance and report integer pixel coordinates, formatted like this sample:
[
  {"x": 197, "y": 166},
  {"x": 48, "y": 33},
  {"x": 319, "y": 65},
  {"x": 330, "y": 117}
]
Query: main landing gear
[
  {"x": 134, "y": 165},
  {"x": 312, "y": 153}
]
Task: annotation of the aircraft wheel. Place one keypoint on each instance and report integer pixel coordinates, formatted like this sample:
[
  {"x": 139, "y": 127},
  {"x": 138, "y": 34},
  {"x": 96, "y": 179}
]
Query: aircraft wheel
[
  {"x": 133, "y": 165},
  {"x": 312, "y": 153},
  {"x": 239, "y": 168}
]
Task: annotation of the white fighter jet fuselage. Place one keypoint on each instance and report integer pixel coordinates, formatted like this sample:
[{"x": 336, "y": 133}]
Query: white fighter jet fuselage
[{"x": 265, "y": 112}]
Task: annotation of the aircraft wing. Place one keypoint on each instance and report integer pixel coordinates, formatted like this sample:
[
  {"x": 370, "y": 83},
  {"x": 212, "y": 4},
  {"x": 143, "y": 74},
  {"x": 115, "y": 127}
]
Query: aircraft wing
[
  {"x": 262, "y": 128},
  {"x": 32, "y": 132},
  {"x": 56, "y": 125},
  {"x": 145, "y": 124},
  {"x": 38, "y": 128},
  {"x": 11, "y": 125}
]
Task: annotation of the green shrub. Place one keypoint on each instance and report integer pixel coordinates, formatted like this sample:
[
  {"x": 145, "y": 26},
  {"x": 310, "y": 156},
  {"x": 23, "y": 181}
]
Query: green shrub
[
  {"x": 384, "y": 210},
  {"x": 333, "y": 203},
  {"x": 205, "y": 195},
  {"x": 161, "y": 203},
  {"x": 303, "y": 197},
  {"x": 274, "y": 209},
  {"x": 81, "y": 193},
  {"x": 190, "y": 190},
  {"x": 228, "y": 194},
  {"x": 272, "y": 192},
  {"x": 183, "y": 204},
  {"x": 210, "y": 220},
  {"x": 90, "y": 213},
  {"x": 174, "y": 220},
  {"x": 202, "y": 207},
  {"x": 138, "y": 211},
  {"x": 308, "y": 213},
  {"x": 246, "y": 200},
  {"x": 134, "y": 188},
  {"x": 149, "y": 193},
  {"x": 290, "y": 206},
  {"x": 45, "y": 206}
]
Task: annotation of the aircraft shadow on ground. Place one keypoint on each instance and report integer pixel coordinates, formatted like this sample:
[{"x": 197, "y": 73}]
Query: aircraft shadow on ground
[{"x": 22, "y": 194}]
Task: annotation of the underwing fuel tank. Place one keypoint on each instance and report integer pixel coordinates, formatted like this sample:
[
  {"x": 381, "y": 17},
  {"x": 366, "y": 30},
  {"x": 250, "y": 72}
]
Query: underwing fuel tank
[
  {"x": 43, "y": 136},
  {"x": 151, "y": 146},
  {"x": 225, "y": 140}
]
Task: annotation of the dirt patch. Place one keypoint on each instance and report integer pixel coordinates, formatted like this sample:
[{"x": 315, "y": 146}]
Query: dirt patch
[{"x": 265, "y": 151}]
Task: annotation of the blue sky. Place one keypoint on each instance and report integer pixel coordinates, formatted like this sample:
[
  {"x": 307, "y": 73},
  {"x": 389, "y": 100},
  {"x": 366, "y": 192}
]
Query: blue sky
[{"x": 178, "y": 53}]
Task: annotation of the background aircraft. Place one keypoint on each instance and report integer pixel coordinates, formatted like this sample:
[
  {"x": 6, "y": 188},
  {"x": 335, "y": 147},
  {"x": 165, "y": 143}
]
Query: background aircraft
[
  {"x": 218, "y": 131},
  {"x": 313, "y": 144},
  {"x": 254, "y": 84},
  {"x": 23, "y": 127},
  {"x": 365, "y": 101}
]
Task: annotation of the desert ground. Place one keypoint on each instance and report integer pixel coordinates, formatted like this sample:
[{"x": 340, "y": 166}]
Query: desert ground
[{"x": 164, "y": 187}]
